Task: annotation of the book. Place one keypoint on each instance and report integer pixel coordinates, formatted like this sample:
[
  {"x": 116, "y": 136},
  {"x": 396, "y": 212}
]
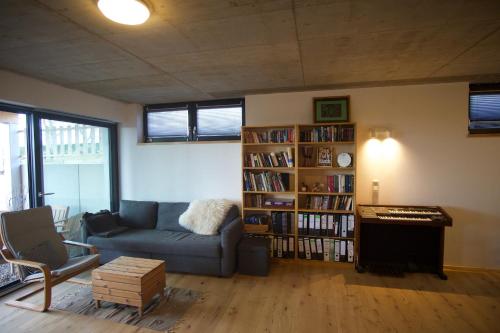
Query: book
[
  {"x": 280, "y": 246},
  {"x": 269, "y": 160},
  {"x": 326, "y": 249},
  {"x": 314, "y": 252},
  {"x": 332, "y": 249},
  {"x": 266, "y": 181},
  {"x": 300, "y": 223},
  {"x": 282, "y": 222},
  {"x": 285, "y": 135},
  {"x": 301, "y": 253},
  {"x": 330, "y": 225},
  {"x": 343, "y": 250},
  {"x": 350, "y": 226},
  {"x": 332, "y": 133},
  {"x": 317, "y": 225},
  {"x": 343, "y": 230},
  {"x": 307, "y": 247},
  {"x": 324, "y": 224},
  {"x": 319, "y": 249},
  {"x": 291, "y": 247},
  {"x": 337, "y": 250},
  {"x": 350, "y": 251}
]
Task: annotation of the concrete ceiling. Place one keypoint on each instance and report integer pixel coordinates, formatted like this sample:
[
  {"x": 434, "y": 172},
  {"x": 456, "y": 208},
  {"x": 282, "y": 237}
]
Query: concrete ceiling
[{"x": 205, "y": 49}]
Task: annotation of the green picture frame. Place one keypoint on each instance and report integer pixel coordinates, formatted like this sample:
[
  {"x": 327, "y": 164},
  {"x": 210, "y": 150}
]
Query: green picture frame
[{"x": 331, "y": 109}]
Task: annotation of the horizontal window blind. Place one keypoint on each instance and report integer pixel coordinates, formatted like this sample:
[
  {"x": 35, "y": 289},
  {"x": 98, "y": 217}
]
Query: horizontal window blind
[
  {"x": 170, "y": 123},
  {"x": 219, "y": 121},
  {"x": 484, "y": 110},
  {"x": 485, "y": 107}
]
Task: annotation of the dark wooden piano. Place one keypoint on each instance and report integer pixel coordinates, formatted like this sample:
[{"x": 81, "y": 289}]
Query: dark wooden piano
[{"x": 401, "y": 238}]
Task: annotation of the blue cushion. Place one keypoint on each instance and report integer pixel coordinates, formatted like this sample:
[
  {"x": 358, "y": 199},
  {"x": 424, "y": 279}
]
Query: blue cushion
[
  {"x": 138, "y": 214},
  {"x": 168, "y": 216},
  {"x": 161, "y": 242}
]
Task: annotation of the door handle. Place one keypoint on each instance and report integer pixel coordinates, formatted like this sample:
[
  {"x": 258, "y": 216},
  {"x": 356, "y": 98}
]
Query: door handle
[{"x": 40, "y": 194}]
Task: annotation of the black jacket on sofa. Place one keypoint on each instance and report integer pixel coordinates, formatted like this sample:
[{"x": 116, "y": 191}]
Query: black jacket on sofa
[{"x": 153, "y": 231}]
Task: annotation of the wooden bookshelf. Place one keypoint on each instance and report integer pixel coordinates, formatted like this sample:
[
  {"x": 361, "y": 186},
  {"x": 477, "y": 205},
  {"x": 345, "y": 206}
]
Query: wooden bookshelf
[{"x": 297, "y": 174}]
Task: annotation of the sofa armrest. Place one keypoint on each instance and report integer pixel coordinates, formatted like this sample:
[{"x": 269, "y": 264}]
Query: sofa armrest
[{"x": 230, "y": 236}]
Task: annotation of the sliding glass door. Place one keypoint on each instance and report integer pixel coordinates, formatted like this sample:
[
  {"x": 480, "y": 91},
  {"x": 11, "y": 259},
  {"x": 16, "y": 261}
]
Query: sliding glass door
[
  {"x": 49, "y": 158},
  {"x": 14, "y": 177},
  {"x": 76, "y": 172}
]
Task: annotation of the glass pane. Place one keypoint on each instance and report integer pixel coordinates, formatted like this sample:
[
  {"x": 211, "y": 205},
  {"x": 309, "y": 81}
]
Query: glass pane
[
  {"x": 76, "y": 173},
  {"x": 14, "y": 190},
  {"x": 220, "y": 121},
  {"x": 168, "y": 123},
  {"x": 485, "y": 107}
]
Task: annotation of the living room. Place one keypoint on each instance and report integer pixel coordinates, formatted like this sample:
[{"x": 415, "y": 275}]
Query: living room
[{"x": 405, "y": 77}]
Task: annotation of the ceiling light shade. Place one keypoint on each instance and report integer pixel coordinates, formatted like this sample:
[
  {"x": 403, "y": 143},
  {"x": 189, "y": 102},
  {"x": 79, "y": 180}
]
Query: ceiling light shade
[{"x": 130, "y": 12}]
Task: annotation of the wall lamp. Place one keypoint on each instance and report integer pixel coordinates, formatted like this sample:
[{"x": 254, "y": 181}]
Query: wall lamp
[{"x": 380, "y": 133}]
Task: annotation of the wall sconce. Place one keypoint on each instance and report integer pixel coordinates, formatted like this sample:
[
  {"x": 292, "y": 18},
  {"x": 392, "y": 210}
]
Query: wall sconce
[{"x": 380, "y": 133}]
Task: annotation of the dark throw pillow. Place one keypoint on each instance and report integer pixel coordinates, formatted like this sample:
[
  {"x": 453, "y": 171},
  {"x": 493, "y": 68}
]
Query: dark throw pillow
[{"x": 103, "y": 224}]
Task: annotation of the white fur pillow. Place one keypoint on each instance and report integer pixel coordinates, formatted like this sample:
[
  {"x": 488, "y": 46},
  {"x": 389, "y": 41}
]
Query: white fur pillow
[{"x": 204, "y": 217}]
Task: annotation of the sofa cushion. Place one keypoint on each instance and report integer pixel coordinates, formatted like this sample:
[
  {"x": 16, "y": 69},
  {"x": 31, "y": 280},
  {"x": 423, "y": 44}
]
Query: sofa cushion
[
  {"x": 161, "y": 242},
  {"x": 103, "y": 224},
  {"x": 138, "y": 214},
  {"x": 168, "y": 216}
]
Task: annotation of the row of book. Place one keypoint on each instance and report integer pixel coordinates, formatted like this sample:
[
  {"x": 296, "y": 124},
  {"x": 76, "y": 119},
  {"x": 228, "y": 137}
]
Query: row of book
[
  {"x": 331, "y": 225},
  {"x": 285, "y": 135},
  {"x": 282, "y": 222},
  {"x": 283, "y": 247},
  {"x": 329, "y": 202},
  {"x": 261, "y": 201},
  {"x": 336, "y": 133},
  {"x": 270, "y": 160},
  {"x": 326, "y": 249},
  {"x": 340, "y": 183},
  {"x": 267, "y": 181}
]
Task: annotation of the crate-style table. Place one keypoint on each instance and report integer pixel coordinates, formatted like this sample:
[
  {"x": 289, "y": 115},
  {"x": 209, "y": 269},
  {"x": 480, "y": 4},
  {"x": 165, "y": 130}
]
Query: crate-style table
[{"x": 129, "y": 281}]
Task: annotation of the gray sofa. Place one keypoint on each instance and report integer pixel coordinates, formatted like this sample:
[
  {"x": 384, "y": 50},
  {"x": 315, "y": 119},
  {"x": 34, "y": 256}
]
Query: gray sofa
[{"x": 153, "y": 231}]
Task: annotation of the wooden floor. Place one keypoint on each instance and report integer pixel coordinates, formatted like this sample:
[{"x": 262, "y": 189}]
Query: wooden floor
[{"x": 308, "y": 297}]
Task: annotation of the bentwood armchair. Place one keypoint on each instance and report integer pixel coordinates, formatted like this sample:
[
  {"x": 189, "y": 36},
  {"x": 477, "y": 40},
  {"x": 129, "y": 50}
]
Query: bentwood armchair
[{"x": 31, "y": 241}]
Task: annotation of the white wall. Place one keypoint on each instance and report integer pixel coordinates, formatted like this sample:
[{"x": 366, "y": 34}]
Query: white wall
[
  {"x": 179, "y": 171},
  {"x": 430, "y": 162},
  {"x": 19, "y": 89},
  {"x": 22, "y": 89}
]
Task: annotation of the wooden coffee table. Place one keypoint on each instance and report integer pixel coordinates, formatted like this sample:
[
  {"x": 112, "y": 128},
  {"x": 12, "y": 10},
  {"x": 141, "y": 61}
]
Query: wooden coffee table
[{"x": 129, "y": 281}]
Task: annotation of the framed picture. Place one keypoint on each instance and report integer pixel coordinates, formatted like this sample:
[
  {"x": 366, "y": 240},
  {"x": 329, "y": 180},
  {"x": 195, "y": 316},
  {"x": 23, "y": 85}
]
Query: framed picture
[
  {"x": 324, "y": 157},
  {"x": 331, "y": 109}
]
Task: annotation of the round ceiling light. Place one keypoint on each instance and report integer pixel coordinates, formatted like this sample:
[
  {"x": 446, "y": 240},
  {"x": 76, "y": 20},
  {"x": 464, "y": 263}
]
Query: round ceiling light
[{"x": 130, "y": 12}]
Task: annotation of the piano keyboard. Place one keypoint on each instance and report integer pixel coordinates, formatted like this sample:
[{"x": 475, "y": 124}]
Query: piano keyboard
[
  {"x": 404, "y": 218},
  {"x": 413, "y": 212}
]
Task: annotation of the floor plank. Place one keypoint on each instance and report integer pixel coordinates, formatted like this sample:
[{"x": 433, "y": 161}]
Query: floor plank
[{"x": 307, "y": 296}]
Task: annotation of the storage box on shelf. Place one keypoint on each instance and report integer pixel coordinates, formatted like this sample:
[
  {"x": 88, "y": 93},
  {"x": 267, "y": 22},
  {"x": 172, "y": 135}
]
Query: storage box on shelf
[{"x": 285, "y": 182}]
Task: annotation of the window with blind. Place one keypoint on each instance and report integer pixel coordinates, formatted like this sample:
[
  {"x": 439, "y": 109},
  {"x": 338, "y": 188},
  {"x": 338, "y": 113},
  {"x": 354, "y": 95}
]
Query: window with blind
[
  {"x": 484, "y": 109},
  {"x": 195, "y": 121}
]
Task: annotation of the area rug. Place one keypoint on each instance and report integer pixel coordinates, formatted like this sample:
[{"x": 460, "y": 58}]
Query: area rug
[{"x": 160, "y": 316}]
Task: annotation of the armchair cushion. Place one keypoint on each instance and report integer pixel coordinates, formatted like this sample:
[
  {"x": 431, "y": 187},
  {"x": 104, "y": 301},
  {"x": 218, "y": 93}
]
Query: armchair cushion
[
  {"x": 26, "y": 231},
  {"x": 72, "y": 265},
  {"x": 138, "y": 214},
  {"x": 43, "y": 252}
]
